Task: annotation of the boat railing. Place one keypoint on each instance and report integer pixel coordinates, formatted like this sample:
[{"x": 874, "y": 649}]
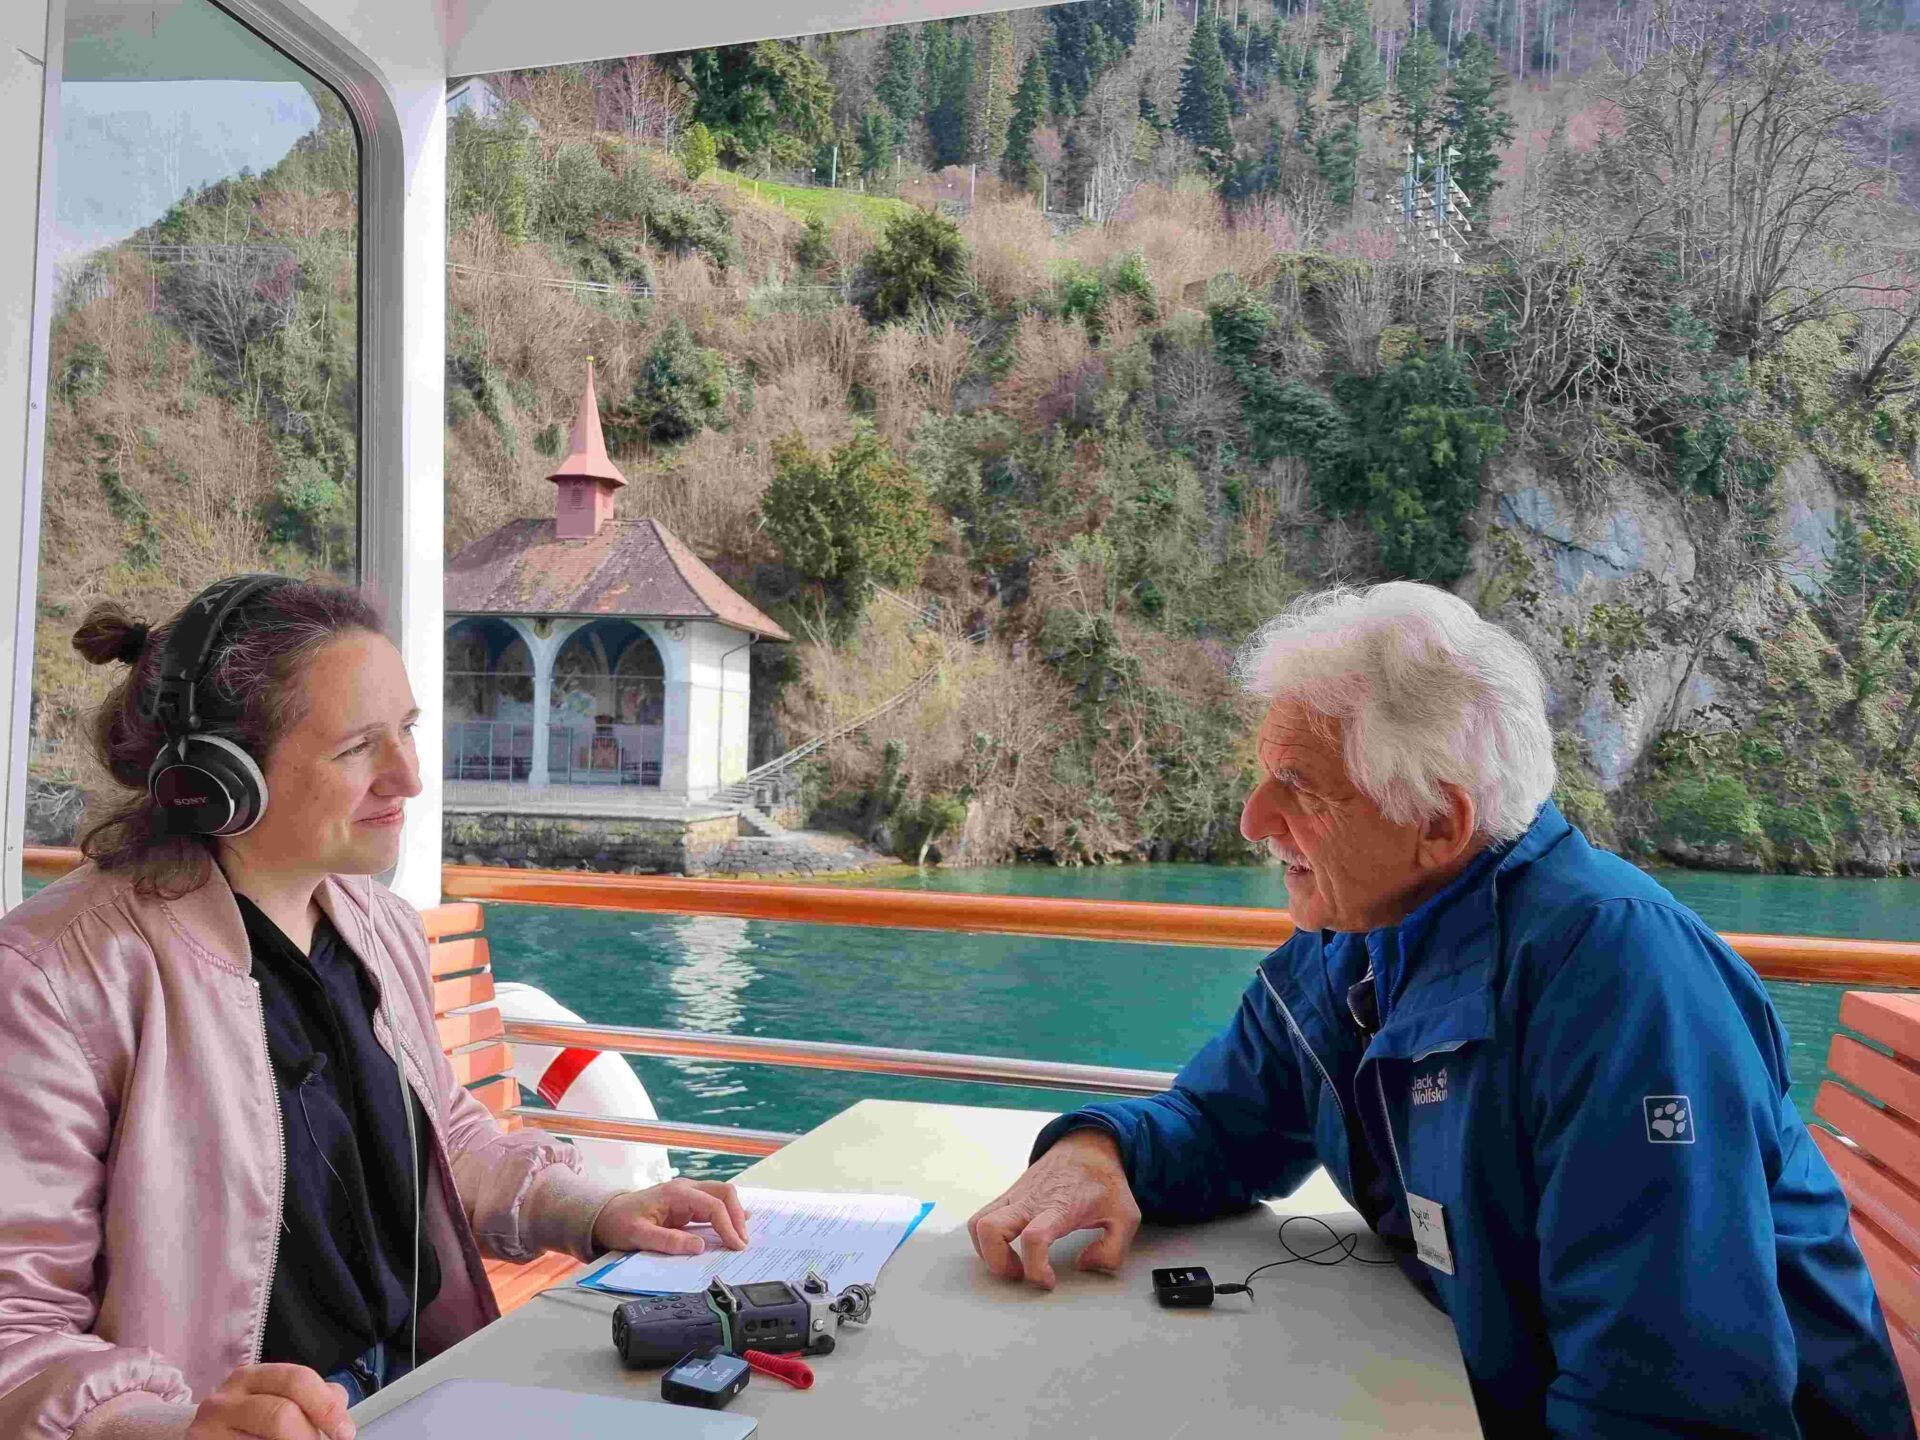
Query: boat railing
[
  {"x": 1816, "y": 959},
  {"x": 798, "y": 1054}
]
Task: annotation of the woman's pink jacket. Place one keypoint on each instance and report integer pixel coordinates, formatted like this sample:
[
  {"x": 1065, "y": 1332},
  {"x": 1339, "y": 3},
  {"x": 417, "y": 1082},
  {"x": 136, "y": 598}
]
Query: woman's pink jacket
[{"x": 141, "y": 1154}]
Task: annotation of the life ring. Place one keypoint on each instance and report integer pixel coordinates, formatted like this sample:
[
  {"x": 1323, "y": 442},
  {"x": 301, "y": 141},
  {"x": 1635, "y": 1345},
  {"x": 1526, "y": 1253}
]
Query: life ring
[{"x": 585, "y": 1082}]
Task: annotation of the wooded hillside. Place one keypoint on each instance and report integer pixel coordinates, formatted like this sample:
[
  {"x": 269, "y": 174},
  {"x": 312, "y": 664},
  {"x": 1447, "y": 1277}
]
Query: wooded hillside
[{"x": 1658, "y": 416}]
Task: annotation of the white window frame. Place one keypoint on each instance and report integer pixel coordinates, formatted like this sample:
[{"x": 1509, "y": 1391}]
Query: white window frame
[{"x": 402, "y": 341}]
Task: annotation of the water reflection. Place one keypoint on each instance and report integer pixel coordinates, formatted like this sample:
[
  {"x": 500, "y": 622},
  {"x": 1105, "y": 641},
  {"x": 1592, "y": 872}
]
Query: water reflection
[{"x": 707, "y": 982}]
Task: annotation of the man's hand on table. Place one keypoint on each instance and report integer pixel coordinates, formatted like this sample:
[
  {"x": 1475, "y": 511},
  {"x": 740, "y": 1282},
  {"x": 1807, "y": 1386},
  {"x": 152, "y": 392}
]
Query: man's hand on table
[
  {"x": 655, "y": 1219},
  {"x": 1079, "y": 1184}
]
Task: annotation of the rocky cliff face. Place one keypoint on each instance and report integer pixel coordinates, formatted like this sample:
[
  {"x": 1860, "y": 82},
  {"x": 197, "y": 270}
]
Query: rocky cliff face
[{"x": 1708, "y": 713}]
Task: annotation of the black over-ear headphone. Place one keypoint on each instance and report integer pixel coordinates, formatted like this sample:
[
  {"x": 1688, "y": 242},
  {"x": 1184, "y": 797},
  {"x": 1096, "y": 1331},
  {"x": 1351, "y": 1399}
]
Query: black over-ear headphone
[{"x": 203, "y": 784}]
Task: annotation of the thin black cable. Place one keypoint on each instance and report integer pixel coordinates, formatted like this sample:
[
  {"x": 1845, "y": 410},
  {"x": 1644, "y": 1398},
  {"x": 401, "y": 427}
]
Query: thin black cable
[{"x": 1347, "y": 1245}]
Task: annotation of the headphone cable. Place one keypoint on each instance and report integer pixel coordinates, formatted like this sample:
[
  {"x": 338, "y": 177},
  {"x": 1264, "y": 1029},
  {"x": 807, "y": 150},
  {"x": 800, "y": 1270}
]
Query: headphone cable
[{"x": 1347, "y": 1245}]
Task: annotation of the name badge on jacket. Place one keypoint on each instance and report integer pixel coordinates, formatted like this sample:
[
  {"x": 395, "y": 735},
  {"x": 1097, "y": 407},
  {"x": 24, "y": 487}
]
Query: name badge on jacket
[{"x": 1430, "y": 1232}]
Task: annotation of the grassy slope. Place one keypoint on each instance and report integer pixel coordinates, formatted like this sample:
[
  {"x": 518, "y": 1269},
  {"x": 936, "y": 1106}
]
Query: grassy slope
[{"x": 810, "y": 203}]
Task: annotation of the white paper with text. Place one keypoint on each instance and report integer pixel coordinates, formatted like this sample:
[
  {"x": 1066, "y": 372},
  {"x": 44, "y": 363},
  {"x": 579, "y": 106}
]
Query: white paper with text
[{"x": 847, "y": 1238}]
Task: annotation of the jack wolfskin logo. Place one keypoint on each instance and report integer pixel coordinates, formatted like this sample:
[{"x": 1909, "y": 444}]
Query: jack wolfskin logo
[
  {"x": 1430, "y": 1089},
  {"x": 1669, "y": 1119}
]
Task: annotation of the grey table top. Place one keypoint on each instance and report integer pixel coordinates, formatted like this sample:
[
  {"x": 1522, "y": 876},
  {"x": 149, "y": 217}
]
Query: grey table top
[{"x": 954, "y": 1350}]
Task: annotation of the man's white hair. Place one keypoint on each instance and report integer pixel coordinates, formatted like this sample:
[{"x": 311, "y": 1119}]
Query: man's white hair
[{"x": 1426, "y": 692}]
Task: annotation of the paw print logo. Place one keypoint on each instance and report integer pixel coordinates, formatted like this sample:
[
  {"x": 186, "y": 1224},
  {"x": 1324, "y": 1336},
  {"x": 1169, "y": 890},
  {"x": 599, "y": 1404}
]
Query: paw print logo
[{"x": 1669, "y": 1120}]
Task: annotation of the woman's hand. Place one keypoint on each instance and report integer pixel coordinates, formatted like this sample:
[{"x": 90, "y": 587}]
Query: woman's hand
[
  {"x": 655, "y": 1219},
  {"x": 273, "y": 1402}
]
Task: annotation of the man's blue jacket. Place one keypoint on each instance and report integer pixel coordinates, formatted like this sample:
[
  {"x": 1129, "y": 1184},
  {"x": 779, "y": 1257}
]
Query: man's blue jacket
[{"x": 1593, "y": 1088}]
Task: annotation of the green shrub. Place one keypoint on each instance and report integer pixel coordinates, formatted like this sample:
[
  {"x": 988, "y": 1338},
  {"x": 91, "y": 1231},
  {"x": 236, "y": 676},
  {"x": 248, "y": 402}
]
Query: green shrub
[
  {"x": 1578, "y": 793},
  {"x": 698, "y": 152},
  {"x": 920, "y": 262},
  {"x": 1411, "y": 464},
  {"x": 579, "y": 194},
  {"x": 1803, "y": 831},
  {"x": 85, "y": 373},
  {"x": 688, "y": 223},
  {"x": 814, "y": 248},
  {"x": 917, "y": 824},
  {"x": 1127, "y": 277},
  {"x": 681, "y": 390},
  {"x": 1706, "y": 808},
  {"x": 1082, "y": 295},
  {"x": 849, "y": 518}
]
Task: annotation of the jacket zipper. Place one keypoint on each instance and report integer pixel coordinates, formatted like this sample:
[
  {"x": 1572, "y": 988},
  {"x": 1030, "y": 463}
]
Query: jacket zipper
[
  {"x": 1393, "y": 1145},
  {"x": 1326, "y": 1079},
  {"x": 280, "y": 1190}
]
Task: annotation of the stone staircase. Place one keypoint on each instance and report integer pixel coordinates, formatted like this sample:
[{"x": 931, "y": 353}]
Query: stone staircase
[{"x": 755, "y": 821}]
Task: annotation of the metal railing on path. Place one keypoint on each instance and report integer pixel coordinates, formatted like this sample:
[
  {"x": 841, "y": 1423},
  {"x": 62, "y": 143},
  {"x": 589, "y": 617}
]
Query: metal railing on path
[{"x": 1820, "y": 959}]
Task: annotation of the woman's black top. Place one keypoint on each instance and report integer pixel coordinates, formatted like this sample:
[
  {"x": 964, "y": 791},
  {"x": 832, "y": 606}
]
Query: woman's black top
[{"x": 343, "y": 1278}]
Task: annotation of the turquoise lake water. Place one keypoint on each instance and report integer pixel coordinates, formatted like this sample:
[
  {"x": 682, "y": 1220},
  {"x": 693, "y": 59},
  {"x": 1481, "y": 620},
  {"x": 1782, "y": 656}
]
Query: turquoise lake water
[{"x": 1095, "y": 1003}]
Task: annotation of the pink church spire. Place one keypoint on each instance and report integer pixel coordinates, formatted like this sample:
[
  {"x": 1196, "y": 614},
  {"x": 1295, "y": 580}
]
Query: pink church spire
[{"x": 586, "y": 478}]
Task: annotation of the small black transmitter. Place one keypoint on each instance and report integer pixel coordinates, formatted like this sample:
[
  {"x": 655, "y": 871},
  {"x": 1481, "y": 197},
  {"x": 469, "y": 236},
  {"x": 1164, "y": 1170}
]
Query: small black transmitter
[
  {"x": 709, "y": 1381},
  {"x": 770, "y": 1315},
  {"x": 1187, "y": 1286}
]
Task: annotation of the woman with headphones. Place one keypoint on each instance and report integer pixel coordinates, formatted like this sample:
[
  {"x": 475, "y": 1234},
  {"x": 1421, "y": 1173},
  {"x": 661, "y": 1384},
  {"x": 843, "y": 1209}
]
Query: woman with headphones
[{"x": 240, "y": 1187}]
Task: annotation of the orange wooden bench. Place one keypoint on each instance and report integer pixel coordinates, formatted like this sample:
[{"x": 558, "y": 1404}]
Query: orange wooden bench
[
  {"x": 463, "y": 976},
  {"x": 1878, "y": 1160}
]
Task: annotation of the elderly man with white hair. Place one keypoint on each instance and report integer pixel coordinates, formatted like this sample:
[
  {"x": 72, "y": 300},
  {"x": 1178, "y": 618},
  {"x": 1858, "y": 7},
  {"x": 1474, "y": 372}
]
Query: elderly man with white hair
[{"x": 1551, "y": 1090}]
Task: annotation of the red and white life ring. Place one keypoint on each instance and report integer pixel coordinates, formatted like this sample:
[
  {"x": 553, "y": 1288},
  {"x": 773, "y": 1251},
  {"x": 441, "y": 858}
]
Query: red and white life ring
[{"x": 586, "y": 1082}]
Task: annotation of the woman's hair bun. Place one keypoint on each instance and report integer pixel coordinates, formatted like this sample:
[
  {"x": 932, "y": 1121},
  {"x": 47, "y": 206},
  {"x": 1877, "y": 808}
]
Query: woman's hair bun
[{"x": 109, "y": 634}]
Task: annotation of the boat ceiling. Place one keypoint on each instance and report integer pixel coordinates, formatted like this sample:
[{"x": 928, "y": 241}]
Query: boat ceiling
[
  {"x": 489, "y": 35},
  {"x": 180, "y": 41}
]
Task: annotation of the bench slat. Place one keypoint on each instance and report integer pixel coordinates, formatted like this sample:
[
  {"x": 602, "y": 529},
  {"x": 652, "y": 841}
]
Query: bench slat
[
  {"x": 476, "y": 1052},
  {"x": 1896, "y": 1274},
  {"x": 482, "y": 1062},
  {"x": 1892, "y": 1081},
  {"x": 457, "y": 917},
  {"x": 1889, "y": 1020},
  {"x": 1906, "y": 1352},
  {"x": 1873, "y": 1190},
  {"x": 450, "y": 957},
  {"x": 497, "y": 1095},
  {"x": 1891, "y": 1140},
  {"x": 457, "y": 994},
  {"x": 469, "y": 1029}
]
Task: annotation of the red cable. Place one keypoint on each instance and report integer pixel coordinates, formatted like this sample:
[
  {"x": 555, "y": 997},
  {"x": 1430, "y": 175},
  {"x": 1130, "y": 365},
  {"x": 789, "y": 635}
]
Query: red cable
[{"x": 796, "y": 1373}]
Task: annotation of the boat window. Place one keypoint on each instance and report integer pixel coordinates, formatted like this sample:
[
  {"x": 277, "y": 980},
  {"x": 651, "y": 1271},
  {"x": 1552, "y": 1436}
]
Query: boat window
[{"x": 203, "y": 395}]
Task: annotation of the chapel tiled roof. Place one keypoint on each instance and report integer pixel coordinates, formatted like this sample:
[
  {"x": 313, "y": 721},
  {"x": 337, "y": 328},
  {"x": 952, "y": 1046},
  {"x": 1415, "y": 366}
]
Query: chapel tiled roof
[{"x": 632, "y": 568}]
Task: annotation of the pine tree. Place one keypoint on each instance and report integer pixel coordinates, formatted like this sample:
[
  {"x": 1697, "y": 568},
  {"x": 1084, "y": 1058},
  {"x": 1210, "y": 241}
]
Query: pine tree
[
  {"x": 1086, "y": 38},
  {"x": 899, "y": 87},
  {"x": 1419, "y": 82},
  {"x": 1361, "y": 82},
  {"x": 1029, "y": 102},
  {"x": 876, "y": 143},
  {"x": 1203, "y": 115},
  {"x": 1344, "y": 21},
  {"x": 1479, "y": 128},
  {"x": 993, "y": 82},
  {"x": 949, "y": 90},
  {"x": 1337, "y": 155}
]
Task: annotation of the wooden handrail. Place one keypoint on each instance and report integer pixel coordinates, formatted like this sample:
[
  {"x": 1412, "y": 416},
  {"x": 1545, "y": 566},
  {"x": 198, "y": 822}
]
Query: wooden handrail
[
  {"x": 1227, "y": 925},
  {"x": 1814, "y": 958}
]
